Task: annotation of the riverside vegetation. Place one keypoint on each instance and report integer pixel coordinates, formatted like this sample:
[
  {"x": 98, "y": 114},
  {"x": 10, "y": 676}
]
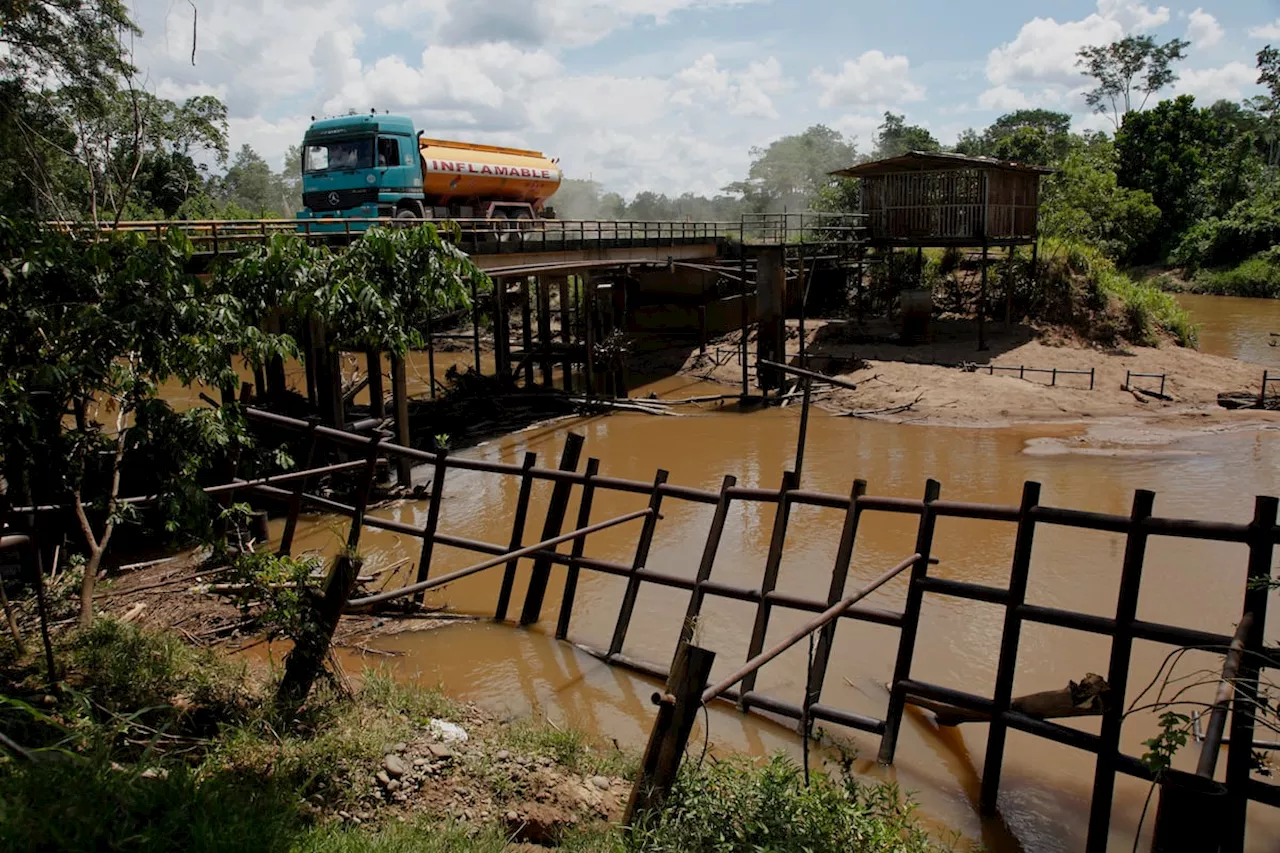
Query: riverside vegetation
[{"x": 147, "y": 744}]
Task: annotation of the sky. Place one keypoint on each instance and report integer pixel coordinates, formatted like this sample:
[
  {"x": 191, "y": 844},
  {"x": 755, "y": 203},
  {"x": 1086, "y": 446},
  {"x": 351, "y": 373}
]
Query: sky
[{"x": 666, "y": 95}]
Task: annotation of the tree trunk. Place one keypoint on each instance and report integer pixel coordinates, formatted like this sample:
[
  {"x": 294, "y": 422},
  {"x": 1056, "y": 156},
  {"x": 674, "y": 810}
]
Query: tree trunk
[
  {"x": 304, "y": 664},
  {"x": 86, "y": 586}
]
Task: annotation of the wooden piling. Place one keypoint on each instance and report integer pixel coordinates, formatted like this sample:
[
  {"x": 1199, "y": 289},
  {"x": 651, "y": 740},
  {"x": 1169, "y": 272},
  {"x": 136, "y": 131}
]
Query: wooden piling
[
  {"x": 579, "y": 546},
  {"x": 526, "y": 331},
  {"x": 589, "y": 302},
  {"x": 295, "y": 499},
  {"x": 517, "y": 535},
  {"x": 1006, "y": 667},
  {"x": 677, "y": 710},
  {"x": 475, "y": 327},
  {"x": 377, "y": 397},
  {"x": 433, "y": 518},
  {"x": 982, "y": 302},
  {"x": 910, "y": 624},
  {"x": 566, "y": 333},
  {"x": 769, "y": 582},
  {"x": 556, "y": 510},
  {"x": 839, "y": 577},
  {"x": 501, "y": 331},
  {"x": 714, "y": 534},
  {"x": 638, "y": 563},
  {"x": 363, "y": 490},
  {"x": 1244, "y": 704},
  {"x": 431, "y": 357},
  {"x": 1104, "y": 774},
  {"x": 544, "y": 330},
  {"x": 400, "y": 403}
]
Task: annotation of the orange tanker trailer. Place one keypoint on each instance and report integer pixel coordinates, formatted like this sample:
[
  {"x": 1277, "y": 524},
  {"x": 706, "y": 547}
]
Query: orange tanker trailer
[{"x": 491, "y": 181}]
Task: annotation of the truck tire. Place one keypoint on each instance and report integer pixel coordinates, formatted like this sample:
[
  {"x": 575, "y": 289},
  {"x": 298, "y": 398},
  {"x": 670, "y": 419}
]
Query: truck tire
[{"x": 406, "y": 217}]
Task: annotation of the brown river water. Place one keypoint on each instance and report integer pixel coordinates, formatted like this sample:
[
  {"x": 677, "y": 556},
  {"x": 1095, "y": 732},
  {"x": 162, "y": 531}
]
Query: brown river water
[{"x": 1044, "y": 798}]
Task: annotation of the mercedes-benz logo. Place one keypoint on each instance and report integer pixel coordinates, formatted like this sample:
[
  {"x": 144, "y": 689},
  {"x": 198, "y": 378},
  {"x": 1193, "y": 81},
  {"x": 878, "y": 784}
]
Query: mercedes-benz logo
[{"x": 334, "y": 198}]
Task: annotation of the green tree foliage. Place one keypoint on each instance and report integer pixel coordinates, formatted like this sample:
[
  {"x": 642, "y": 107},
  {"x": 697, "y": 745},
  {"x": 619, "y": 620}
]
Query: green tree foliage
[
  {"x": 250, "y": 186},
  {"x": 793, "y": 170},
  {"x": 1125, "y": 69},
  {"x": 895, "y": 137},
  {"x": 1084, "y": 202},
  {"x": 1036, "y": 136}
]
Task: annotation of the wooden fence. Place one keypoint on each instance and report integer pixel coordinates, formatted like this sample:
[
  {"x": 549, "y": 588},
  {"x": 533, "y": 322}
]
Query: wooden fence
[{"x": 1260, "y": 535}]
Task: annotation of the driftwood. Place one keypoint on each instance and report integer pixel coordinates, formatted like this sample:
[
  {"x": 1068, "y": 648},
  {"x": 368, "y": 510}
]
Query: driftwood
[
  {"x": 888, "y": 410},
  {"x": 1085, "y": 699}
]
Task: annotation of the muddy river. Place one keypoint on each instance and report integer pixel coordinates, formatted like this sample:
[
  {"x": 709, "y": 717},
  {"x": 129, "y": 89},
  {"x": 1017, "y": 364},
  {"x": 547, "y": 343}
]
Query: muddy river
[{"x": 1045, "y": 792}]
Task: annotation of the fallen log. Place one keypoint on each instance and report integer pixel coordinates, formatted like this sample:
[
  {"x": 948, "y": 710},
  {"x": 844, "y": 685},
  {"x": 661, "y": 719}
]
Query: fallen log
[{"x": 1088, "y": 698}]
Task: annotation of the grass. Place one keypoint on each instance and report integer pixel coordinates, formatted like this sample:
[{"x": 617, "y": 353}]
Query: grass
[
  {"x": 1148, "y": 310},
  {"x": 247, "y": 780},
  {"x": 1258, "y": 276}
]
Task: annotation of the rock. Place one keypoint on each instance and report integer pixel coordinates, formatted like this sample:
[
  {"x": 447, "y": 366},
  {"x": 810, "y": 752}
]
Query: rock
[
  {"x": 401, "y": 747},
  {"x": 393, "y": 785},
  {"x": 512, "y": 817},
  {"x": 440, "y": 751},
  {"x": 365, "y": 815},
  {"x": 394, "y": 765},
  {"x": 447, "y": 732},
  {"x": 502, "y": 755},
  {"x": 420, "y": 763},
  {"x": 383, "y": 779},
  {"x": 344, "y": 815},
  {"x": 537, "y": 823},
  {"x": 155, "y": 773},
  {"x": 601, "y": 782},
  {"x": 545, "y": 761}
]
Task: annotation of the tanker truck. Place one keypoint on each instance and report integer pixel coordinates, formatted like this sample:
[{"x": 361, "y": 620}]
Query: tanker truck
[{"x": 369, "y": 166}]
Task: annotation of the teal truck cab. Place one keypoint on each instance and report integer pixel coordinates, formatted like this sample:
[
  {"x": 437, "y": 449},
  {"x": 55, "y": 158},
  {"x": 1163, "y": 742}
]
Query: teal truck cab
[
  {"x": 360, "y": 167},
  {"x": 363, "y": 167}
]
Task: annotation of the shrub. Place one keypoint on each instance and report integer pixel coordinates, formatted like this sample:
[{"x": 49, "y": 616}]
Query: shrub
[
  {"x": 735, "y": 805},
  {"x": 1257, "y": 276}
]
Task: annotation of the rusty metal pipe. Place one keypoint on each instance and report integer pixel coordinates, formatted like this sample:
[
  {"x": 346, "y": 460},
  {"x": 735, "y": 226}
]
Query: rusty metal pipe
[
  {"x": 496, "y": 561},
  {"x": 807, "y": 629}
]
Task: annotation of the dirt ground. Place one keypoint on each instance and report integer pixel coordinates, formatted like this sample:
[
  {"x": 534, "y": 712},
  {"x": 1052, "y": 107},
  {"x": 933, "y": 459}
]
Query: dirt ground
[{"x": 946, "y": 381}]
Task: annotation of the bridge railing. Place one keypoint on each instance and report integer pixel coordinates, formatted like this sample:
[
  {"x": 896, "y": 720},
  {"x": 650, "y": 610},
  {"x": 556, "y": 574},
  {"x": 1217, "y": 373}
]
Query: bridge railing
[
  {"x": 802, "y": 227},
  {"x": 476, "y": 236}
]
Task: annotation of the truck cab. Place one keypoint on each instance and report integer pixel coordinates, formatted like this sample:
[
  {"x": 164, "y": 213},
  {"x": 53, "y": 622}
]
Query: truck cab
[{"x": 360, "y": 167}]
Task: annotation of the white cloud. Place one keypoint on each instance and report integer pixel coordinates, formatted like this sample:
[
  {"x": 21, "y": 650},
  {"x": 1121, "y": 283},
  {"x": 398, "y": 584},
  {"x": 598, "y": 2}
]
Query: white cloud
[
  {"x": 1045, "y": 50},
  {"x": 1004, "y": 98},
  {"x": 871, "y": 78},
  {"x": 1266, "y": 31},
  {"x": 861, "y": 127},
  {"x": 747, "y": 93},
  {"x": 1203, "y": 29},
  {"x": 1213, "y": 84}
]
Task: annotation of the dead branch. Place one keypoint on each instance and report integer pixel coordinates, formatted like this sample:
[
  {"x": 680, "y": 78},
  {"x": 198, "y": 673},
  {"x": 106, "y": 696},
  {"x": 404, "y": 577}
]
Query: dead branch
[{"x": 888, "y": 410}]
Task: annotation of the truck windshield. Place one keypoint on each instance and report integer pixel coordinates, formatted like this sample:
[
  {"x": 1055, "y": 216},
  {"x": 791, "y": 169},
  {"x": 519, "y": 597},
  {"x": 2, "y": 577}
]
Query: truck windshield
[{"x": 338, "y": 155}]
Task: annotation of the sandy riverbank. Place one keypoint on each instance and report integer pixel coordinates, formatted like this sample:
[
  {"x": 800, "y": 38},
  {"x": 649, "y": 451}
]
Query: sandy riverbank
[{"x": 921, "y": 384}]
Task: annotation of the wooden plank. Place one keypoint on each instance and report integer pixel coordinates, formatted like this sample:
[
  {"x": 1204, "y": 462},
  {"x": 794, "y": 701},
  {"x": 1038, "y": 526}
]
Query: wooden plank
[
  {"x": 637, "y": 565},
  {"x": 433, "y": 518},
  {"x": 579, "y": 546},
  {"x": 1009, "y": 638},
  {"x": 910, "y": 624},
  {"x": 839, "y": 577},
  {"x": 714, "y": 534},
  {"x": 769, "y": 582},
  {"x": 556, "y": 510},
  {"x": 517, "y": 535},
  {"x": 1104, "y": 775}
]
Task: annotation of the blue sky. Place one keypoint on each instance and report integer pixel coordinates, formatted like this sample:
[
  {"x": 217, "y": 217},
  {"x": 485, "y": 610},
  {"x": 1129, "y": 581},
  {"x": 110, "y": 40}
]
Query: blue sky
[{"x": 668, "y": 95}]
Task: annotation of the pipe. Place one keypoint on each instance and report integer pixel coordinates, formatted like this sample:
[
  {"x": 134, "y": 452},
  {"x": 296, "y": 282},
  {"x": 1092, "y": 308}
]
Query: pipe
[
  {"x": 798, "y": 371},
  {"x": 1218, "y": 718},
  {"x": 805, "y": 630},
  {"x": 495, "y": 561}
]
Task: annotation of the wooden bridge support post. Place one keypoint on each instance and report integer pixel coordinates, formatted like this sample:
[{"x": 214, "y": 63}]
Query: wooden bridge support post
[
  {"x": 544, "y": 330},
  {"x": 770, "y": 580},
  {"x": 566, "y": 333},
  {"x": 1009, "y": 638},
  {"x": 839, "y": 575},
  {"x": 501, "y": 331},
  {"x": 400, "y": 403},
  {"x": 1104, "y": 774},
  {"x": 910, "y": 625},
  {"x": 475, "y": 327},
  {"x": 677, "y": 711},
  {"x": 579, "y": 546},
  {"x": 589, "y": 342},
  {"x": 377, "y": 396},
  {"x": 638, "y": 563},
  {"x": 556, "y": 510},
  {"x": 526, "y": 330},
  {"x": 517, "y": 536},
  {"x": 431, "y": 358},
  {"x": 714, "y": 534},
  {"x": 982, "y": 302},
  {"x": 1240, "y": 754},
  {"x": 295, "y": 499},
  {"x": 771, "y": 339}
]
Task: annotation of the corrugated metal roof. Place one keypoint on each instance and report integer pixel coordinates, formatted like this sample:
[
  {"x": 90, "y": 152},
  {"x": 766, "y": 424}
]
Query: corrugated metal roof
[{"x": 924, "y": 161}]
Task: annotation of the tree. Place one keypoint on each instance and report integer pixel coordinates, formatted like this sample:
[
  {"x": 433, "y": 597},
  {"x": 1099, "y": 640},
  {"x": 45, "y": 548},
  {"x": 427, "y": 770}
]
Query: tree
[
  {"x": 1083, "y": 202},
  {"x": 1135, "y": 64},
  {"x": 1167, "y": 151},
  {"x": 1268, "y": 106},
  {"x": 250, "y": 185},
  {"x": 895, "y": 137},
  {"x": 792, "y": 170},
  {"x": 91, "y": 330}
]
